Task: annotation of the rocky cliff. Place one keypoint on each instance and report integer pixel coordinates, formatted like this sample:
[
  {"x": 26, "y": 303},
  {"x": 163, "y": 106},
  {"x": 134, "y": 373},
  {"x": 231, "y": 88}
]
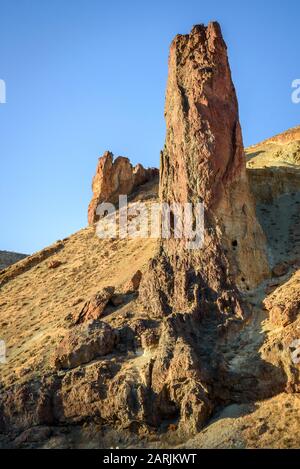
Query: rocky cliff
[
  {"x": 130, "y": 342},
  {"x": 203, "y": 161},
  {"x": 274, "y": 166}
]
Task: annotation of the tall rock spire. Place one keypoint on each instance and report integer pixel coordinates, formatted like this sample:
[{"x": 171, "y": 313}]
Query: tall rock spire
[{"x": 203, "y": 161}]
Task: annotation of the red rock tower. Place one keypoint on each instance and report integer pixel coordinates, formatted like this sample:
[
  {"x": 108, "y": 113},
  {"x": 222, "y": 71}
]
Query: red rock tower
[{"x": 203, "y": 161}]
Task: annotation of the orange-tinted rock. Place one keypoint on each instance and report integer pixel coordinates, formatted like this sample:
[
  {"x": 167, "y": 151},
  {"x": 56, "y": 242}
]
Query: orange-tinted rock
[
  {"x": 288, "y": 136},
  {"x": 284, "y": 303},
  {"x": 84, "y": 343},
  {"x": 203, "y": 161},
  {"x": 134, "y": 283},
  {"x": 196, "y": 290},
  {"x": 114, "y": 178},
  {"x": 54, "y": 264},
  {"x": 279, "y": 348},
  {"x": 94, "y": 308}
]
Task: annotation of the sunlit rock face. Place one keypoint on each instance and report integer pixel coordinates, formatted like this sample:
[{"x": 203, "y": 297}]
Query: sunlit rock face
[{"x": 203, "y": 161}]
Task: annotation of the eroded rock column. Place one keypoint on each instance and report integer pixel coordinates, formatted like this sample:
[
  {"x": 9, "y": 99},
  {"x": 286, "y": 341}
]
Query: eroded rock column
[{"x": 203, "y": 161}]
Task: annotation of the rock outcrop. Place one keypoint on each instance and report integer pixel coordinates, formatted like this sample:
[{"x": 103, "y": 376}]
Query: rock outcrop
[
  {"x": 198, "y": 290},
  {"x": 114, "y": 178},
  {"x": 286, "y": 137},
  {"x": 203, "y": 161},
  {"x": 94, "y": 308},
  {"x": 84, "y": 343},
  {"x": 274, "y": 166},
  {"x": 282, "y": 348},
  {"x": 269, "y": 183},
  {"x": 149, "y": 361}
]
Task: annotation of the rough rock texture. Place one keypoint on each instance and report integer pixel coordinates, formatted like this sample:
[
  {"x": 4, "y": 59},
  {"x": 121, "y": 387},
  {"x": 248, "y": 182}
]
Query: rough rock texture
[
  {"x": 134, "y": 283},
  {"x": 191, "y": 350},
  {"x": 203, "y": 161},
  {"x": 282, "y": 348},
  {"x": 271, "y": 182},
  {"x": 114, "y": 178},
  {"x": 290, "y": 135},
  {"x": 283, "y": 304},
  {"x": 274, "y": 166},
  {"x": 94, "y": 308},
  {"x": 84, "y": 343}
]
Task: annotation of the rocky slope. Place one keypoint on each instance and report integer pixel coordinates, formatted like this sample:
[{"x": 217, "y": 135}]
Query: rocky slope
[
  {"x": 130, "y": 342},
  {"x": 276, "y": 160},
  {"x": 8, "y": 258}
]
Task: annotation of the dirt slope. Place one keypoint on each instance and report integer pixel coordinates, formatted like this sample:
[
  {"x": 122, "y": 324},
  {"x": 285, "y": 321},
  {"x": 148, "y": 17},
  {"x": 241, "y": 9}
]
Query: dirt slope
[{"x": 35, "y": 298}]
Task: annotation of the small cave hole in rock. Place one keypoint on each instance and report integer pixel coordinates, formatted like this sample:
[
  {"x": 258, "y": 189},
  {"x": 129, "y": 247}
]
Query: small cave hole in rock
[{"x": 172, "y": 223}]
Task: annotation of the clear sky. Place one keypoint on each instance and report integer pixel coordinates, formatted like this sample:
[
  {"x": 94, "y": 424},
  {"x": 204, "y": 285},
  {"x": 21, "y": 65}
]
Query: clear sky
[{"x": 84, "y": 76}]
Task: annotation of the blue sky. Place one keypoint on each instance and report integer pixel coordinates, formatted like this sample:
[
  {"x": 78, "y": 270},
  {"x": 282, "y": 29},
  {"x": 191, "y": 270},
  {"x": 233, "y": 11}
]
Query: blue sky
[{"x": 84, "y": 76}]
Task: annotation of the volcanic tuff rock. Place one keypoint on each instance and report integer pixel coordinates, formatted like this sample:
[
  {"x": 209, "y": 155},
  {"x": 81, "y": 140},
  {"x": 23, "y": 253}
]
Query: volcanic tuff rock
[
  {"x": 179, "y": 343},
  {"x": 94, "y": 308},
  {"x": 203, "y": 161},
  {"x": 114, "y": 178},
  {"x": 84, "y": 343}
]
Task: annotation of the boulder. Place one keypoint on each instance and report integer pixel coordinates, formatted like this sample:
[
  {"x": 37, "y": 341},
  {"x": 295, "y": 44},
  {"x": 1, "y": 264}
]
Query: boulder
[
  {"x": 134, "y": 283},
  {"x": 94, "y": 308},
  {"x": 83, "y": 344}
]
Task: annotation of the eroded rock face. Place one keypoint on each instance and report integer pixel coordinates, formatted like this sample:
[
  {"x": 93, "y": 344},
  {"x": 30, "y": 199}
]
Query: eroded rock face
[
  {"x": 94, "y": 308},
  {"x": 196, "y": 290},
  {"x": 203, "y": 161},
  {"x": 84, "y": 343},
  {"x": 182, "y": 348},
  {"x": 286, "y": 137},
  {"x": 114, "y": 178},
  {"x": 269, "y": 183},
  {"x": 283, "y": 304},
  {"x": 282, "y": 348}
]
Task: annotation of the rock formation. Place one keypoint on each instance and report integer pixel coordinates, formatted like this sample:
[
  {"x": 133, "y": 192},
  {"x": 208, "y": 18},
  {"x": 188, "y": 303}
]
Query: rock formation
[
  {"x": 274, "y": 166},
  {"x": 203, "y": 161},
  {"x": 114, "y": 178},
  {"x": 83, "y": 344},
  {"x": 286, "y": 137},
  {"x": 198, "y": 290},
  {"x": 94, "y": 308},
  {"x": 150, "y": 359}
]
